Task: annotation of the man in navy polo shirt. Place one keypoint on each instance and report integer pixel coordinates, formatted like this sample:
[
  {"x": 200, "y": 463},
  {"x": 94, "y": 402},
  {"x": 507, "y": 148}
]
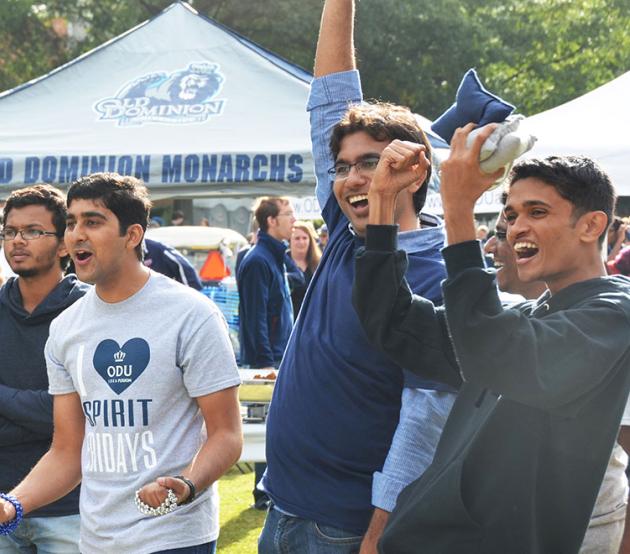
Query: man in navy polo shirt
[{"x": 337, "y": 400}]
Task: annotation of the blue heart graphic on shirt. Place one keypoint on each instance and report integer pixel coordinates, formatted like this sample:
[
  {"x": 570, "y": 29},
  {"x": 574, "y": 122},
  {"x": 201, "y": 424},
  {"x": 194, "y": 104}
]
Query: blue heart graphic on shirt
[{"x": 121, "y": 366}]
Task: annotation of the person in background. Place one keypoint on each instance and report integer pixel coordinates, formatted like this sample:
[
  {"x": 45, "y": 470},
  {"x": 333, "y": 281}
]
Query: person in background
[
  {"x": 251, "y": 241},
  {"x": 624, "y": 441},
  {"x": 155, "y": 222},
  {"x": 5, "y": 268},
  {"x": 616, "y": 237},
  {"x": 620, "y": 265},
  {"x": 178, "y": 218},
  {"x": 294, "y": 275},
  {"x": 306, "y": 254},
  {"x": 35, "y": 221},
  {"x": 482, "y": 233},
  {"x": 497, "y": 248},
  {"x": 265, "y": 309},
  {"x": 322, "y": 233},
  {"x": 168, "y": 261}
]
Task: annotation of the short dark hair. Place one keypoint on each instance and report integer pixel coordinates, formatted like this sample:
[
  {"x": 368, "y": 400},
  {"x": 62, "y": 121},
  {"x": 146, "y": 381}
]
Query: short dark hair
[
  {"x": 384, "y": 121},
  {"x": 41, "y": 195},
  {"x": 268, "y": 206},
  {"x": 125, "y": 196},
  {"x": 577, "y": 179}
]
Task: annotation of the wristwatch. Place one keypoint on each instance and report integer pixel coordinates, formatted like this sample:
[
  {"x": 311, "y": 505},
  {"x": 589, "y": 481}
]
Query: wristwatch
[{"x": 191, "y": 486}]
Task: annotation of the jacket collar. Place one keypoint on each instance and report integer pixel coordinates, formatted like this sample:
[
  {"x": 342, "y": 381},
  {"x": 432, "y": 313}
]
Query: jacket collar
[
  {"x": 275, "y": 246},
  {"x": 577, "y": 292},
  {"x": 428, "y": 238}
]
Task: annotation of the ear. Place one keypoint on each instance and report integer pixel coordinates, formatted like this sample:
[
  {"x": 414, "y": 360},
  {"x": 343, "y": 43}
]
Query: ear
[
  {"x": 592, "y": 225},
  {"x": 271, "y": 222},
  {"x": 135, "y": 234},
  {"x": 62, "y": 251},
  {"x": 491, "y": 245}
]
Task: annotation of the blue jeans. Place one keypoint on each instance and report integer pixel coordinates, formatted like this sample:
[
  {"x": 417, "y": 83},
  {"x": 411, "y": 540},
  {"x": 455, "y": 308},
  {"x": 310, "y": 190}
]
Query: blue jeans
[
  {"x": 207, "y": 548},
  {"x": 283, "y": 534},
  {"x": 43, "y": 535}
]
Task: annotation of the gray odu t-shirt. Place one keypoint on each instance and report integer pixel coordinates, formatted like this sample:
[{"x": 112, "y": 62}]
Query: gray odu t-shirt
[{"x": 138, "y": 366}]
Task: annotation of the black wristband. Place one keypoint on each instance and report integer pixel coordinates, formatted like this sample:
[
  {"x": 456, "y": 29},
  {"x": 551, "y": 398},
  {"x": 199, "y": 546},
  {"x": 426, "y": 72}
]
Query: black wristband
[{"x": 191, "y": 486}]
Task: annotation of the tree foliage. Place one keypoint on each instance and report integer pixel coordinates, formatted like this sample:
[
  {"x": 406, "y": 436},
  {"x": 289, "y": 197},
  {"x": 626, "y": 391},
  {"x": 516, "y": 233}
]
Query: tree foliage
[{"x": 535, "y": 53}]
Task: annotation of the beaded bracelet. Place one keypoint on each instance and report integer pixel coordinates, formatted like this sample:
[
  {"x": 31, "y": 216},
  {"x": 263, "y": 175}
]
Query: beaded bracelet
[
  {"x": 169, "y": 504},
  {"x": 10, "y": 526}
]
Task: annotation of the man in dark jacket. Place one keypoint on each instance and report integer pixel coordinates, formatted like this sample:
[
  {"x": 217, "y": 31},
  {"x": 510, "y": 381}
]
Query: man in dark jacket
[
  {"x": 526, "y": 445},
  {"x": 265, "y": 310},
  {"x": 34, "y": 224}
]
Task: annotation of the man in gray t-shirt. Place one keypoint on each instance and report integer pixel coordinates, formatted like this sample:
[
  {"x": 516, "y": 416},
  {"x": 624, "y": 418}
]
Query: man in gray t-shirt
[{"x": 137, "y": 367}]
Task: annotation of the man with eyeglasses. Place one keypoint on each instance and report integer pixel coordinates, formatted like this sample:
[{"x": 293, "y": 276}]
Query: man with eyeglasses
[
  {"x": 265, "y": 308},
  {"x": 335, "y": 449},
  {"x": 34, "y": 224}
]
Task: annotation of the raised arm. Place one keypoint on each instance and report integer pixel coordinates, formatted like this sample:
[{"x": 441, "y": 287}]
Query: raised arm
[
  {"x": 410, "y": 329},
  {"x": 335, "y": 87},
  {"x": 335, "y": 45}
]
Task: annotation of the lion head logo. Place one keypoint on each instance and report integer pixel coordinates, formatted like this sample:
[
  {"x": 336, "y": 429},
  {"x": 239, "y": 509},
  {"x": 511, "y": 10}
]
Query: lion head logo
[{"x": 183, "y": 96}]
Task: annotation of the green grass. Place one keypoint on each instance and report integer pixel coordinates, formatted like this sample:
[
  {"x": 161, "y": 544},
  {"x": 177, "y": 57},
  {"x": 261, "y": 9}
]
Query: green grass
[{"x": 240, "y": 524}]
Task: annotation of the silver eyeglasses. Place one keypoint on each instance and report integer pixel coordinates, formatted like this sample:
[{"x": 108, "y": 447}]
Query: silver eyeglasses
[
  {"x": 365, "y": 166},
  {"x": 26, "y": 234}
]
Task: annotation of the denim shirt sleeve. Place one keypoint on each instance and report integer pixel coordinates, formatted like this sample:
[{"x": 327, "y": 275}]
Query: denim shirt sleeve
[
  {"x": 422, "y": 416},
  {"x": 328, "y": 101}
]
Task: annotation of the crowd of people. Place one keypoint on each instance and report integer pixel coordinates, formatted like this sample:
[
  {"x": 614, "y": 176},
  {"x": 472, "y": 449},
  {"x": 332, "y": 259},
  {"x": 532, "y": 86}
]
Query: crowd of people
[{"x": 424, "y": 402}]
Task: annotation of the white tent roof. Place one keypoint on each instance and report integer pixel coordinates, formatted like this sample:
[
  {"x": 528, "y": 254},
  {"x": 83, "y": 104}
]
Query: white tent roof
[
  {"x": 180, "y": 101},
  {"x": 595, "y": 125}
]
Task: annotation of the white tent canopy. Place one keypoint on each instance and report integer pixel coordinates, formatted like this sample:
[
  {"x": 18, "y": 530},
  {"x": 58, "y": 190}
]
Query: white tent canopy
[
  {"x": 187, "y": 105},
  {"x": 595, "y": 125}
]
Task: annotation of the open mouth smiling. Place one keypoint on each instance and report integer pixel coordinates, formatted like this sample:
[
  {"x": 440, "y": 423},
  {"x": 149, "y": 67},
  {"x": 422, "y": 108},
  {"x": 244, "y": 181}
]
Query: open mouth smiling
[
  {"x": 525, "y": 250},
  {"x": 358, "y": 200}
]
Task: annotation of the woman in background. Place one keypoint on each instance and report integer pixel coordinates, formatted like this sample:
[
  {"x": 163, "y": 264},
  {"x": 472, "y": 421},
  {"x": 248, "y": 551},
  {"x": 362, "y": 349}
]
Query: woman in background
[{"x": 306, "y": 254}]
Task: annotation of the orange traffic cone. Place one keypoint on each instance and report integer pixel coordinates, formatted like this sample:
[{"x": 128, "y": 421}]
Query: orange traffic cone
[{"x": 214, "y": 268}]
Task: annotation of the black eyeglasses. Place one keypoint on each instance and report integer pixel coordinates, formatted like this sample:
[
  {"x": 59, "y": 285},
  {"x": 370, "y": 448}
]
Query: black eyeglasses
[
  {"x": 26, "y": 234},
  {"x": 365, "y": 166}
]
